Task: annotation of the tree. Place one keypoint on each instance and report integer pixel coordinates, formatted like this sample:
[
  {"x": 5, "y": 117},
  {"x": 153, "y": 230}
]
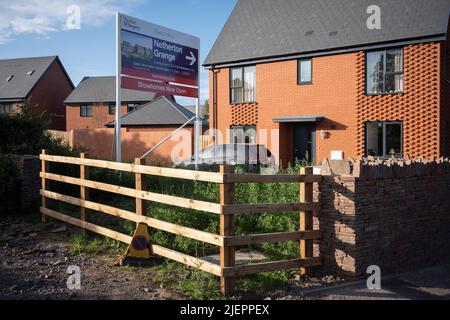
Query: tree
[{"x": 205, "y": 111}]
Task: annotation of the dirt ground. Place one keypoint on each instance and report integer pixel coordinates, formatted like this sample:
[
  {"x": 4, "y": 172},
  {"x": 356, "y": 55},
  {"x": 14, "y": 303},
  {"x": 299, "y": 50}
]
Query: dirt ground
[
  {"x": 34, "y": 262},
  {"x": 34, "y": 259}
]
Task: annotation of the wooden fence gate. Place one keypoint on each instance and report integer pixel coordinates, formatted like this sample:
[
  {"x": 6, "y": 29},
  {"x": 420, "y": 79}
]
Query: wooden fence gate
[{"x": 227, "y": 209}]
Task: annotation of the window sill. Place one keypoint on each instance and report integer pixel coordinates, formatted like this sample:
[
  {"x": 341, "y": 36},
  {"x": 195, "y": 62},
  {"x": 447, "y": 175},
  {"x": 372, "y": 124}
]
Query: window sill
[
  {"x": 384, "y": 94},
  {"x": 243, "y": 103},
  {"x": 386, "y": 157}
]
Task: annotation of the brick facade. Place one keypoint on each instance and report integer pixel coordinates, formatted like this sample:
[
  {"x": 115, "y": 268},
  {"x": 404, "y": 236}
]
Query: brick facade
[
  {"x": 49, "y": 94},
  {"x": 394, "y": 215},
  {"x": 135, "y": 142},
  {"x": 444, "y": 114},
  {"x": 338, "y": 93},
  {"x": 99, "y": 118},
  {"x": 417, "y": 107}
]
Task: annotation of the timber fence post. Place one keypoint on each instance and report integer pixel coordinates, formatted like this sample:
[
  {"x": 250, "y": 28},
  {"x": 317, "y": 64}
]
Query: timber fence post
[
  {"x": 306, "y": 218},
  {"x": 227, "y": 228}
]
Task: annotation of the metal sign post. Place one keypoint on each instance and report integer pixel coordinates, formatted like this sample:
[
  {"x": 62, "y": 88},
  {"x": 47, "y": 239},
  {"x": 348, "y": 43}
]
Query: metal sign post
[
  {"x": 118, "y": 126},
  {"x": 198, "y": 123}
]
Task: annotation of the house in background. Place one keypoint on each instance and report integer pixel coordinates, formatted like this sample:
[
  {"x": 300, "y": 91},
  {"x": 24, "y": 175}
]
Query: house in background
[
  {"x": 42, "y": 82},
  {"x": 313, "y": 70},
  {"x": 142, "y": 129},
  {"x": 92, "y": 104}
]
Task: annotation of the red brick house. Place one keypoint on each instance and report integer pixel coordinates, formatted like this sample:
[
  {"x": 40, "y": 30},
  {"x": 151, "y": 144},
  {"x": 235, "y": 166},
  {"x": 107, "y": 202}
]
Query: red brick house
[
  {"x": 142, "y": 129},
  {"x": 41, "y": 81},
  {"x": 147, "y": 119},
  {"x": 314, "y": 73},
  {"x": 92, "y": 104}
]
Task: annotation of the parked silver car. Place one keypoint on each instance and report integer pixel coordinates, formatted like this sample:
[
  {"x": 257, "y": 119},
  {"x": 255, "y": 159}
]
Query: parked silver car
[{"x": 252, "y": 156}]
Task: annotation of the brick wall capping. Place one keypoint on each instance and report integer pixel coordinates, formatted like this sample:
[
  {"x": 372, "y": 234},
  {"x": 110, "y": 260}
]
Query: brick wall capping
[{"x": 370, "y": 168}]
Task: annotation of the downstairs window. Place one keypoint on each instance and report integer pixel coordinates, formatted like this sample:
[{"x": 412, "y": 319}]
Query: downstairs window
[
  {"x": 243, "y": 134},
  {"x": 384, "y": 139}
]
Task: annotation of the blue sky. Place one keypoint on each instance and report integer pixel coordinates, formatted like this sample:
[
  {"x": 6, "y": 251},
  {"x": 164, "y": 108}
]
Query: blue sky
[{"x": 38, "y": 28}]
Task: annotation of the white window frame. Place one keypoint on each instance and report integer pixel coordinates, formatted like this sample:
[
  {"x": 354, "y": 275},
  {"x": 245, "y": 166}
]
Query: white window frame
[{"x": 242, "y": 87}]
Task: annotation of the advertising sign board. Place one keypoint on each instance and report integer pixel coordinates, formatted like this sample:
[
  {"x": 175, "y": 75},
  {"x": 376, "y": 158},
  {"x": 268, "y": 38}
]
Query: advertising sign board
[
  {"x": 157, "y": 53},
  {"x": 155, "y": 59}
]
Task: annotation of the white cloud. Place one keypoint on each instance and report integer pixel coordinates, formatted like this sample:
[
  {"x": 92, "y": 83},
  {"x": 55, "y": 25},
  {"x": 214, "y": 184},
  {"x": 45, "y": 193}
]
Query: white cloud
[{"x": 44, "y": 17}]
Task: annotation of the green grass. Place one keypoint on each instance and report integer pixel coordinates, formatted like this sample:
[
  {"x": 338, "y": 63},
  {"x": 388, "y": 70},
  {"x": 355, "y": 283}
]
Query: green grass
[
  {"x": 263, "y": 282},
  {"x": 80, "y": 244},
  {"x": 193, "y": 283},
  {"x": 199, "y": 285}
]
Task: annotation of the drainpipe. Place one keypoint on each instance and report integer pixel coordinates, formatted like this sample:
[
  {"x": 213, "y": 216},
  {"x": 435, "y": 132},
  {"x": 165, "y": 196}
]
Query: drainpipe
[{"x": 214, "y": 101}]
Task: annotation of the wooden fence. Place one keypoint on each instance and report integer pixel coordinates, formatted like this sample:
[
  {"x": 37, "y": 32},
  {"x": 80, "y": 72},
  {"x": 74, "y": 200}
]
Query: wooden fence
[
  {"x": 206, "y": 141},
  {"x": 227, "y": 209},
  {"x": 65, "y": 136}
]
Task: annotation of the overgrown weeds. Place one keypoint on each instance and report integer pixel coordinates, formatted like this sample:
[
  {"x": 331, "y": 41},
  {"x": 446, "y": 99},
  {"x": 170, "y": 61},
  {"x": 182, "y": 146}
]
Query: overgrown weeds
[
  {"x": 194, "y": 283},
  {"x": 81, "y": 244}
]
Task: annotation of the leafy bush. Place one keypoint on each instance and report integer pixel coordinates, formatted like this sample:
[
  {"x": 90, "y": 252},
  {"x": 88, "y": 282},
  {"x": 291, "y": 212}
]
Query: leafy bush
[
  {"x": 245, "y": 224},
  {"x": 25, "y": 132}
]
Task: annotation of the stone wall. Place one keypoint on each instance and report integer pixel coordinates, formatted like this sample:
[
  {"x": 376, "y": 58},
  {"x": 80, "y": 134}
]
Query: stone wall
[
  {"x": 391, "y": 213},
  {"x": 28, "y": 167}
]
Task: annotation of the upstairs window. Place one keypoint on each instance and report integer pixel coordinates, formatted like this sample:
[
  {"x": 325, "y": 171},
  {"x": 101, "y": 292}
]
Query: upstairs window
[
  {"x": 384, "y": 72},
  {"x": 6, "y": 108},
  {"x": 86, "y": 110},
  {"x": 243, "y": 85},
  {"x": 112, "y": 109},
  {"x": 304, "y": 71},
  {"x": 132, "y": 107}
]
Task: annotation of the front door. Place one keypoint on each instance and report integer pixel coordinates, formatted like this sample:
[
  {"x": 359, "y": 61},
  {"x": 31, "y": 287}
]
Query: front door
[{"x": 305, "y": 142}]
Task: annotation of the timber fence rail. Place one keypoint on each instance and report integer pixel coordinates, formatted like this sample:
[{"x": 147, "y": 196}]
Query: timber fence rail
[{"x": 227, "y": 209}]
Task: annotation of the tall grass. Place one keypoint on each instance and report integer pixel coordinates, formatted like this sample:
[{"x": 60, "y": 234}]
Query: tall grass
[
  {"x": 192, "y": 282},
  {"x": 245, "y": 224}
]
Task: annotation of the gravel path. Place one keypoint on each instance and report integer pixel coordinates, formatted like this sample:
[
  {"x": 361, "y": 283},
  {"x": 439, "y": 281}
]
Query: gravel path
[{"x": 34, "y": 263}]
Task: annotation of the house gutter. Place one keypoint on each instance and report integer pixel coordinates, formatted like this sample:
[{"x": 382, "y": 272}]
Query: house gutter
[{"x": 328, "y": 52}]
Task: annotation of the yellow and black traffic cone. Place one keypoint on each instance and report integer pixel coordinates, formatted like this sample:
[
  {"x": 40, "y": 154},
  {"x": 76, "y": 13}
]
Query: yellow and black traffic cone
[{"x": 139, "y": 251}]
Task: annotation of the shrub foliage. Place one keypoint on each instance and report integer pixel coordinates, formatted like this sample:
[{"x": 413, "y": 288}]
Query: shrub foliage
[{"x": 23, "y": 132}]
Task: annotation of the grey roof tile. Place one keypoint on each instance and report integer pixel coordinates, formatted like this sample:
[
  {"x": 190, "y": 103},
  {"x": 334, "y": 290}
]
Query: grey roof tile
[
  {"x": 160, "y": 111},
  {"x": 21, "y": 83},
  {"x": 103, "y": 89},
  {"x": 259, "y": 29}
]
